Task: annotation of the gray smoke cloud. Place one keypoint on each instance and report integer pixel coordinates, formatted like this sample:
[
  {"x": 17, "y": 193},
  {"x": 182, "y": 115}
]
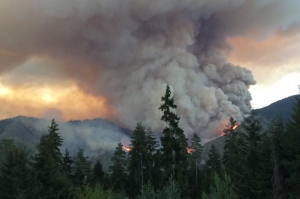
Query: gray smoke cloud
[{"x": 128, "y": 50}]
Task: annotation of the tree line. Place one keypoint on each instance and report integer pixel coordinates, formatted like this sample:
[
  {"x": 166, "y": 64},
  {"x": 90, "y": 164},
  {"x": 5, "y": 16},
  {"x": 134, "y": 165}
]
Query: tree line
[{"x": 255, "y": 163}]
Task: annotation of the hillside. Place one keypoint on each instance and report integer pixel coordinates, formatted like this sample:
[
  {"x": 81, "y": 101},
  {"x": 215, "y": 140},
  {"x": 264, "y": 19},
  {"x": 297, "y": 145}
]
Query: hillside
[
  {"x": 282, "y": 107},
  {"x": 97, "y": 137}
]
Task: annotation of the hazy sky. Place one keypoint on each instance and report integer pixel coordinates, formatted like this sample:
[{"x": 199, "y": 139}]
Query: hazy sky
[
  {"x": 275, "y": 63},
  {"x": 88, "y": 59}
]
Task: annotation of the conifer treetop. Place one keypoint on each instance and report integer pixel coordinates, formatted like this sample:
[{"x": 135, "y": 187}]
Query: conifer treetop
[{"x": 168, "y": 116}]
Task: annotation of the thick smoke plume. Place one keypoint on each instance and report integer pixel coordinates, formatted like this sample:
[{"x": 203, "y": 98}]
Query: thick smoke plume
[{"x": 128, "y": 50}]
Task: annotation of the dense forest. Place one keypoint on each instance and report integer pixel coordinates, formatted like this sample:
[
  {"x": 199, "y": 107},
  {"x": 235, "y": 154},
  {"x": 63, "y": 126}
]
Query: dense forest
[{"x": 255, "y": 163}]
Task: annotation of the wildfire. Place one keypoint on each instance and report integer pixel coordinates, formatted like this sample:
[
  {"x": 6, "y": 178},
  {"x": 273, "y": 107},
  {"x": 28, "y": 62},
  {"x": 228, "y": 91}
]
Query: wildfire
[
  {"x": 126, "y": 148},
  {"x": 189, "y": 150},
  {"x": 235, "y": 126}
]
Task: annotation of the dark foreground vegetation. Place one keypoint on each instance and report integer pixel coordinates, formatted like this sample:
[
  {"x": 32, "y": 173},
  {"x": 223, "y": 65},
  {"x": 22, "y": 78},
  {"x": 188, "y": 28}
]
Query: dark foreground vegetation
[{"x": 255, "y": 164}]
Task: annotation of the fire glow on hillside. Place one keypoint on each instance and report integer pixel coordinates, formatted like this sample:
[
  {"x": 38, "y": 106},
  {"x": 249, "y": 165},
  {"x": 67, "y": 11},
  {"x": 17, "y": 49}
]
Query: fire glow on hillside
[
  {"x": 126, "y": 148},
  {"x": 189, "y": 150},
  {"x": 232, "y": 128},
  {"x": 235, "y": 126}
]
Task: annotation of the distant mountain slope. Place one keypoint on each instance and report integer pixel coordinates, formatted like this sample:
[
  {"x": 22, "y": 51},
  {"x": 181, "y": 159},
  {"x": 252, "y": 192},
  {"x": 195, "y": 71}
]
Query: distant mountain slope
[
  {"x": 282, "y": 107},
  {"x": 97, "y": 137},
  {"x": 22, "y": 130}
]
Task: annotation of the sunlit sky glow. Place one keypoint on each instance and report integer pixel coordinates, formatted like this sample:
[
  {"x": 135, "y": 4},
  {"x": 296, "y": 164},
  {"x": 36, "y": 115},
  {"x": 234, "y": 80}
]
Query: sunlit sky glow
[{"x": 275, "y": 63}]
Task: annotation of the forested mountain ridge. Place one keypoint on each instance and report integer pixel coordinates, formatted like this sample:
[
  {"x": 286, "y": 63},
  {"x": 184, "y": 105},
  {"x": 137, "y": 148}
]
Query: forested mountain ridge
[
  {"x": 27, "y": 130},
  {"x": 283, "y": 107},
  {"x": 97, "y": 137},
  {"x": 253, "y": 152}
]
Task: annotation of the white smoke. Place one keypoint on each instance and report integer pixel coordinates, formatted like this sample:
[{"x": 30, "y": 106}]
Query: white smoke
[{"x": 128, "y": 50}]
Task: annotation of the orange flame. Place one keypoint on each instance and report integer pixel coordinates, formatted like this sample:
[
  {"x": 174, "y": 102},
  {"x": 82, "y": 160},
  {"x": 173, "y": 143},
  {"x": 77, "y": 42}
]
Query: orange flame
[
  {"x": 235, "y": 126},
  {"x": 126, "y": 148},
  {"x": 189, "y": 150}
]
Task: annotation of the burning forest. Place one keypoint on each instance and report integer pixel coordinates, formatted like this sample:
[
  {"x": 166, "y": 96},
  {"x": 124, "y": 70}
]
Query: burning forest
[{"x": 115, "y": 59}]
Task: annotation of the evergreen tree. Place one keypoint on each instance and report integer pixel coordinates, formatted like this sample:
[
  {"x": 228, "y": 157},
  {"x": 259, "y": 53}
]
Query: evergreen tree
[
  {"x": 220, "y": 188},
  {"x": 150, "y": 161},
  {"x": 213, "y": 165},
  {"x": 255, "y": 173},
  {"x": 106, "y": 181},
  {"x": 141, "y": 161},
  {"x": 118, "y": 172},
  {"x": 263, "y": 175},
  {"x": 137, "y": 157},
  {"x": 174, "y": 144},
  {"x": 51, "y": 142},
  {"x": 291, "y": 159},
  {"x": 170, "y": 191},
  {"x": 48, "y": 148},
  {"x": 48, "y": 166},
  {"x": 147, "y": 192},
  {"x": 82, "y": 169},
  {"x": 194, "y": 173},
  {"x": 230, "y": 146},
  {"x": 67, "y": 165},
  {"x": 98, "y": 174},
  {"x": 276, "y": 130},
  {"x": 15, "y": 178},
  {"x": 157, "y": 172}
]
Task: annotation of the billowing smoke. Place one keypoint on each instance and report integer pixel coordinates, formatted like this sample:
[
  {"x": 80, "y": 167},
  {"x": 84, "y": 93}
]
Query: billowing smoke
[{"x": 128, "y": 50}]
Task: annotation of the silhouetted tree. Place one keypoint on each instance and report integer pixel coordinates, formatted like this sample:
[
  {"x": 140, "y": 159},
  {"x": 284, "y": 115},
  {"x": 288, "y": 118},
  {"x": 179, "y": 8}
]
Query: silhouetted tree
[
  {"x": 48, "y": 166},
  {"x": 291, "y": 157},
  {"x": 97, "y": 174},
  {"x": 67, "y": 165},
  {"x": 118, "y": 171},
  {"x": 194, "y": 173},
  {"x": 15, "y": 173},
  {"x": 174, "y": 144},
  {"x": 82, "y": 169}
]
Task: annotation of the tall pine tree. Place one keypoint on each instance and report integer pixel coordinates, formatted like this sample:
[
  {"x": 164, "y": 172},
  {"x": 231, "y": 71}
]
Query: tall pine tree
[
  {"x": 48, "y": 166},
  {"x": 118, "y": 170},
  {"x": 277, "y": 131},
  {"x": 67, "y": 165},
  {"x": 291, "y": 161},
  {"x": 150, "y": 161},
  {"x": 255, "y": 165},
  {"x": 213, "y": 166},
  {"x": 141, "y": 161},
  {"x": 82, "y": 169},
  {"x": 174, "y": 144},
  {"x": 230, "y": 146},
  {"x": 15, "y": 173},
  {"x": 137, "y": 160},
  {"x": 194, "y": 173},
  {"x": 97, "y": 174}
]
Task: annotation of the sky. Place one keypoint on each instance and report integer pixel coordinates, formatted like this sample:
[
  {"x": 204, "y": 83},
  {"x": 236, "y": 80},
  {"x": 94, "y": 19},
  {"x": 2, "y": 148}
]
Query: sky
[
  {"x": 113, "y": 59},
  {"x": 275, "y": 64}
]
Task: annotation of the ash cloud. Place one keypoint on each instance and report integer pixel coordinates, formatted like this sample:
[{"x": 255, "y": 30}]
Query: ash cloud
[{"x": 128, "y": 50}]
